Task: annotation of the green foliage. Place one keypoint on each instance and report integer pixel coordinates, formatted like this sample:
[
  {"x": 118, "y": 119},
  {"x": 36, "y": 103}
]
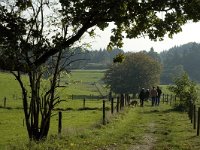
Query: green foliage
[
  {"x": 119, "y": 58},
  {"x": 75, "y": 17},
  {"x": 185, "y": 89},
  {"x": 136, "y": 71},
  {"x": 184, "y": 58},
  {"x": 154, "y": 55}
]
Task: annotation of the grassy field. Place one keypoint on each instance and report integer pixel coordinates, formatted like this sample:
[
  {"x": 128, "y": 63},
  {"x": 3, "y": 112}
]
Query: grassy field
[
  {"x": 155, "y": 128},
  {"x": 80, "y": 84}
]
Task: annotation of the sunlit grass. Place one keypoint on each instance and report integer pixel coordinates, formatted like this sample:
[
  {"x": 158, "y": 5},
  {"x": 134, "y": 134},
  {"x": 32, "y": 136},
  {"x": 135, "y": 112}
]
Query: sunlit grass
[
  {"x": 127, "y": 130},
  {"x": 12, "y": 126},
  {"x": 83, "y": 129}
]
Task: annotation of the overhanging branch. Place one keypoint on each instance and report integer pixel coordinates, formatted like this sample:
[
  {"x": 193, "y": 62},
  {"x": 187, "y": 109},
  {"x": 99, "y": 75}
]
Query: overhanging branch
[{"x": 62, "y": 45}]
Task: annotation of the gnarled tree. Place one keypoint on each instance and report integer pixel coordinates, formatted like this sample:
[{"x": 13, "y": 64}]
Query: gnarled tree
[{"x": 34, "y": 30}]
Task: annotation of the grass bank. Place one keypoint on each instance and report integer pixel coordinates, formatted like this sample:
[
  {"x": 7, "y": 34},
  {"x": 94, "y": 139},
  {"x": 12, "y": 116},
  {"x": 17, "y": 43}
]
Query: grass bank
[{"x": 155, "y": 128}]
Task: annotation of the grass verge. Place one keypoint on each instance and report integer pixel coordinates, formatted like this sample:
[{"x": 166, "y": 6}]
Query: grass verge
[{"x": 155, "y": 128}]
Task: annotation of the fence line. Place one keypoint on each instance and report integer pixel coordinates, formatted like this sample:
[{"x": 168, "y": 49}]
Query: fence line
[{"x": 194, "y": 116}]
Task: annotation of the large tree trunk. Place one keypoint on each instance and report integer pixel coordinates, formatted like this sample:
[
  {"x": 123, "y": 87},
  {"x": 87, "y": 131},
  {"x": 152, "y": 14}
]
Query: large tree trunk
[
  {"x": 37, "y": 116},
  {"x": 38, "y": 108}
]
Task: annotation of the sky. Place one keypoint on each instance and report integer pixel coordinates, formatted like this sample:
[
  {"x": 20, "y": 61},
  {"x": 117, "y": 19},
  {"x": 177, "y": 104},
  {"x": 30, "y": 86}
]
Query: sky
[{"x": 190, "y": 33}]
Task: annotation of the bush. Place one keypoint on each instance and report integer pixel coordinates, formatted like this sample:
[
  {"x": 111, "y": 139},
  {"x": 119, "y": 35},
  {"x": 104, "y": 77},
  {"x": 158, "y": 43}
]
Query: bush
[
  {"x": 180, "y": 107},
  {"x": 186, "y": 90}
]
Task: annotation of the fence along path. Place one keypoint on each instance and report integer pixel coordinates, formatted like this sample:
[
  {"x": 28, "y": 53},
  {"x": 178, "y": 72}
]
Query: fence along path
[{"x": 118, "y": 103}]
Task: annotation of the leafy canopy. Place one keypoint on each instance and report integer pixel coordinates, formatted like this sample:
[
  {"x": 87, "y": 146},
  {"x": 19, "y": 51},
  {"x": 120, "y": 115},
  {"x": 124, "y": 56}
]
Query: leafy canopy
[
  {"x": 136, "y": 71},
  {"x": 41, "y": 28}
]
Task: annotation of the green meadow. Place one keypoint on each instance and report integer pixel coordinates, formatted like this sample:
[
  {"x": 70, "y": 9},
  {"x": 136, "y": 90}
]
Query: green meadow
[
  {"x": 155, "y": 128},
  {"x": 80, "y": 84}
]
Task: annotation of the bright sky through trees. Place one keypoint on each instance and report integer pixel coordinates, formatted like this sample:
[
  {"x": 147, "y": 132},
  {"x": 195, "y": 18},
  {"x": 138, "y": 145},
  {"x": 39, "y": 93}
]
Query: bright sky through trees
[{"x": 190, "y": 33}]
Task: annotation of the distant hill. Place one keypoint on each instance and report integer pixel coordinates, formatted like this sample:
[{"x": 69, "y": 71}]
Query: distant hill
[
  {"x": 179, "y": 59},
  {"x": 175, "y": 61}
]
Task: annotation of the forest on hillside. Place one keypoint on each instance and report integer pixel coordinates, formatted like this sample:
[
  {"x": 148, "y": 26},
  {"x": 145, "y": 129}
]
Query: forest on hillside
[
  {"x": 179, "y": 59},
  {"x": 175, "y": 61}
]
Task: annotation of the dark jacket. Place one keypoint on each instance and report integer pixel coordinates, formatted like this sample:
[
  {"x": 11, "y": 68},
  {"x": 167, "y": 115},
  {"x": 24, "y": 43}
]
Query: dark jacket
[
  {"x": 142, "y": 94},
  {"x": 159, "y": 92}
]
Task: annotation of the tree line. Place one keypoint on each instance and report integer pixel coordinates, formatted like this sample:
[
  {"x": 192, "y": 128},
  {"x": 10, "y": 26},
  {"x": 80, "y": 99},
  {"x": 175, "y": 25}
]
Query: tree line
[
  {"x": 180, "y": 59},
  {"x": 175, "y": 61},
  {"x": 95, "y": 59}
]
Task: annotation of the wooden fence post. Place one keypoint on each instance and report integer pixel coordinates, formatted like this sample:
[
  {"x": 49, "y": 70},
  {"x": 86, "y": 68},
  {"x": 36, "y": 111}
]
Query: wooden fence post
[
  {"x": 175, "y": 99},
  {"x": 118, "y": 104},
  {"x": 59, "y": 122},
  {"x": 4, "y": 102},
  {"x": 121, "y": 101},
  {"x": 192, "y": 107},
  {"x": 112, "y": 103},
  {"x": 194, "y": 122},
  {"x": 198, "y": 122},
  {"x": 163, "y": 98},
  {"x": 190, "y": 110},
  {"x": 104, "y": 113},
  {"x": 84, "y": 102},
  {"x": 125, "y": 99}
]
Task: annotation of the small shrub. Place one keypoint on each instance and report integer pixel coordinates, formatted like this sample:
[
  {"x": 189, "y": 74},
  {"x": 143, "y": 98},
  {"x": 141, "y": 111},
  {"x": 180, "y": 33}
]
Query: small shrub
[
  {"x": 186, "y": 90},
  {"x": 180, "y": 107}
]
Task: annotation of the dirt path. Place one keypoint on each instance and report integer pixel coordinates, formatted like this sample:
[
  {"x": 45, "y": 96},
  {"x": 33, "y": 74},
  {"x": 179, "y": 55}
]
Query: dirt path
[
  {"x": 147, "y": 141},
  {"x": 157, "y": 128}
]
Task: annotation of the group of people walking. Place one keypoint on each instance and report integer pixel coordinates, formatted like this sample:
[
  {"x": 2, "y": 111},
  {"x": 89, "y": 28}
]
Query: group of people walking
[{"x": 154, "y": 94}]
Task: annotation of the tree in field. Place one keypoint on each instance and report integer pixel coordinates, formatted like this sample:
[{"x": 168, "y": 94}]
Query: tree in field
[
  {"x": 35, "y": 31},
  {"x": 185, "y": 89},
  {"x": 136, "y": 71}
]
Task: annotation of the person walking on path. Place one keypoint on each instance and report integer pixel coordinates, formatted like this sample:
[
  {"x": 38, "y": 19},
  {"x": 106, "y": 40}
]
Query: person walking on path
[
  {"x": 159, "y": 92},
  {"x": 153, "y": 94},
  {"x": 142, "y": 96}
]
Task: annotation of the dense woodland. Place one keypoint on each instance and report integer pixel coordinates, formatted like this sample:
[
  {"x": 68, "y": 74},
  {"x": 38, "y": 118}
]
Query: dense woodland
[
  {"x": 179, "y": 59},
  {"x": 174, "y": 61}
]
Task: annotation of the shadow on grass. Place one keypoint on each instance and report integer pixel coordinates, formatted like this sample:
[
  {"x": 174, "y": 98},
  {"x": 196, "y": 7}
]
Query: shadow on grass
[
  {"x": 62, "y": 109},
  {"x": 10, "y": 108},
  {"x": 158, "y": 111},
  {"x": 87, "y": 97}
]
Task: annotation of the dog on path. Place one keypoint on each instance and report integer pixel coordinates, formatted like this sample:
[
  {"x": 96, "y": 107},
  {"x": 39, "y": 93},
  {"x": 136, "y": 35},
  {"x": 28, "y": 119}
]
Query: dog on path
[{"x": 133, "y": 103}]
